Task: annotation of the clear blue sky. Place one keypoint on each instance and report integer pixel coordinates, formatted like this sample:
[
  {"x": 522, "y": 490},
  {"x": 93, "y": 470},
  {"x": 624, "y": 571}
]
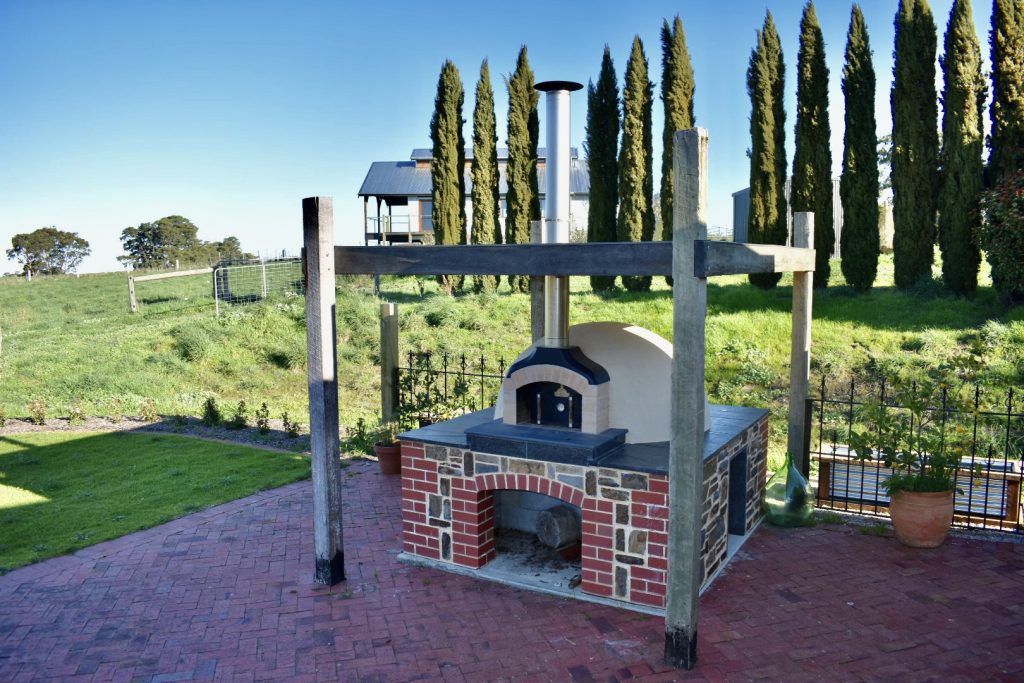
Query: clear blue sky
[{"x": 229, "y": 113}]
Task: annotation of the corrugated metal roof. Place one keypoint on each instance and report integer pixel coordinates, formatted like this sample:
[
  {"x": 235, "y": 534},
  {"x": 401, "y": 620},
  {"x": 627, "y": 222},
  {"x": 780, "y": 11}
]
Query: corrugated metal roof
[
  {"x": 426, "y": 153},
  {"x": 403, "y": 179}
]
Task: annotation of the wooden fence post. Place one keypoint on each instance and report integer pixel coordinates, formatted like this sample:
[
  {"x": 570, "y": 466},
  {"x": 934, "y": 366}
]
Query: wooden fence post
[
  {"x": 686, "y": 445},
  {"x": 133, "y": 305},
  {"x": 536, "y": 288},
  {"x": 800, "y": 349},
  {"x": 388, "y": 362},
  {"x": 321, "y": 335}
]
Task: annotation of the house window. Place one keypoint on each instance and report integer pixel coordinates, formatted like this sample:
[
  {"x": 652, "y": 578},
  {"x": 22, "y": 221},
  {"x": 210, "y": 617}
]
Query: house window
[{"x": 426, "y": 216}]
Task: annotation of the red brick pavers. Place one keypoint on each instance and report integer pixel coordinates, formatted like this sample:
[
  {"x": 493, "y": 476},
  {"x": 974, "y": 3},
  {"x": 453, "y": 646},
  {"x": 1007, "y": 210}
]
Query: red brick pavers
[{"x": 227, "y": 594}]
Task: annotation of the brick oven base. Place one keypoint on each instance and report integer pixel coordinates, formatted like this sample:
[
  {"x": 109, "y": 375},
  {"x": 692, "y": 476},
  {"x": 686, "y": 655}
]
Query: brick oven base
[{"x": 448, "y": 503}]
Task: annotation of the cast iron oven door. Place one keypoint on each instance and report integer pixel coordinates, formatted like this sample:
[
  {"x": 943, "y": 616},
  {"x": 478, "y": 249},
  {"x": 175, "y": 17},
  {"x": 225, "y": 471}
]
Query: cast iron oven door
[{"x": 549, "y": 404}]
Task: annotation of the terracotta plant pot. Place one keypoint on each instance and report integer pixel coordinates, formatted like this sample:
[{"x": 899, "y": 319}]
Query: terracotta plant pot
[
  {"x": 389, "y": 458},
  {"x": 921, "y": 520}
]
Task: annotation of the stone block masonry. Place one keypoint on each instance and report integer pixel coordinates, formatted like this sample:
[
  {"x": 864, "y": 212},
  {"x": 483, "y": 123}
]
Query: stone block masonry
[{"x": 448, "y": 510}]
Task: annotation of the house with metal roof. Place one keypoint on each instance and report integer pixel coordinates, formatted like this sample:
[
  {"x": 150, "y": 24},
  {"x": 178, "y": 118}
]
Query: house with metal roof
[{"x": 401, "y": 194}]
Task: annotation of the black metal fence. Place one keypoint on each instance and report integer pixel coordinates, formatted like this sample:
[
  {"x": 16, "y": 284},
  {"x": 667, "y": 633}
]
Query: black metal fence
[
  {"x": 984, "y": 427},
  {"x": 434, "y": 387}
]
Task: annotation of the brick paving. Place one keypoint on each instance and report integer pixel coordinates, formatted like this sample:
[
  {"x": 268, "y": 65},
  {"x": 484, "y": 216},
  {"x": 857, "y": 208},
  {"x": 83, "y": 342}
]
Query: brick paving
[{"x": 227, "y": 594}]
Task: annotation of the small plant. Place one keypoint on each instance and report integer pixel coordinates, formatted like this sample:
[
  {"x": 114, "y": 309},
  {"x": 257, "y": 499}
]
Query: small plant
[
  {"x": 76, "y": 415},
  {"x": 241, "y": 417},
  {"x": 358, "y": 439},
  {"x": 211, "y": 413},
  {"x": 263, "y": 419},
  {"x": 116, "y": 412},
  {"x": 147, "y": 410},
  {"x": 914, "y": 433},
  {"x": 37, "y": 411},
  {"x": 3, "y": 415},
  {"x": 387, "y": 433},
  {"x": 292, "y": 429},
  {"x": 881, "y": 529}
]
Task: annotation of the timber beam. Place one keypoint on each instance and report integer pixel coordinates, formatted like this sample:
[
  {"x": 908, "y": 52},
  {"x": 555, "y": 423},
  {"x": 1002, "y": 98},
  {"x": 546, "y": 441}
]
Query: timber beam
[{"x": 712, "y": 258}]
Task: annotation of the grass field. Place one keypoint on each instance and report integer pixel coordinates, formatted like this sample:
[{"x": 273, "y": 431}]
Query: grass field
[
  {"x": 72, "y": 339},
  {"x": 63, "y": 491}
]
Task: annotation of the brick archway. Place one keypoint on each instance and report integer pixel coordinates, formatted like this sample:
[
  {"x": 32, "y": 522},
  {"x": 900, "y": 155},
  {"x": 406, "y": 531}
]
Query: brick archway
[{"x": 473, "y": 523}]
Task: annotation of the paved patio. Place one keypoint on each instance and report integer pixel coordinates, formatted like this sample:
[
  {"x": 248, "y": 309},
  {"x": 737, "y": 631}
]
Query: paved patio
[{"x": 226, "y": 594}]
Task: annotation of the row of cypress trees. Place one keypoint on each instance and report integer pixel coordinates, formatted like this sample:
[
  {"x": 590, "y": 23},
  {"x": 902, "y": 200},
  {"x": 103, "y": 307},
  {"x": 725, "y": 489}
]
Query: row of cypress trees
[
  {"x": 936, "y": 190},
  {"x": 449, "y": 159},
  {"x": 622, "y": 181}
]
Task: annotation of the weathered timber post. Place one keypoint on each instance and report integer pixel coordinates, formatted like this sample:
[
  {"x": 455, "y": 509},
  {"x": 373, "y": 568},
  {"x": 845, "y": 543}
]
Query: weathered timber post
[
  {"x": 800, "y": 350},
  {"x": 133, "y": 305},
  {"x": 536, "y": 288},
  {"x": 686, "y": 445},
  {"x": 321, "y": 336},
  {"x": 388, "y": 362}
]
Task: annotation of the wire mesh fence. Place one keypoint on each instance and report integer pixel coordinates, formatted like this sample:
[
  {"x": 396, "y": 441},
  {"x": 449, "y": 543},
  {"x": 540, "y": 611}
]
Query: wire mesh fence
[
  {"x": 246, "y": 282},
  {"x": 983, "y": 428}
]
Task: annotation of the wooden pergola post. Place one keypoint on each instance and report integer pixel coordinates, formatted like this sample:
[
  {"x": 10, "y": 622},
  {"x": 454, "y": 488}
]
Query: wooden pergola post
[
  {"x": 686, "y": 445},
  {"x": 318, "y": 240},
  {"x": 388, "y": 362},
  {"x": 800, "y": 349}
]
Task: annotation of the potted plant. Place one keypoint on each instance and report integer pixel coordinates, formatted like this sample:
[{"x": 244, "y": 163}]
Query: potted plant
[
  {"x": 387, "y": 449},
  {"x": 917, "y": 435}
]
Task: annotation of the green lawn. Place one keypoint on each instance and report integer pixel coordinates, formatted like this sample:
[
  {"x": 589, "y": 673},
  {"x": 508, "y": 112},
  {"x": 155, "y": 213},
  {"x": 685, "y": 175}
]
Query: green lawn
[
  {"x": 68, "y": 339},
  {"x": 63, "y": 491}
]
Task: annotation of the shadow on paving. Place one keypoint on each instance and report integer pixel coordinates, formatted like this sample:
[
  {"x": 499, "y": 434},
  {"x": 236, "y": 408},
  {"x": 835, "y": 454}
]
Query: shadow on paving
[{"x": 228, "y": 593}]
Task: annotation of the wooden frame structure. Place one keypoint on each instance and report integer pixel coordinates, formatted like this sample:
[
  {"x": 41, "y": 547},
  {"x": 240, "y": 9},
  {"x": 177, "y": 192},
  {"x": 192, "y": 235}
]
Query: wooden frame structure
[
  {"x": 689, "y": 258},
  {"x": 133, "y": 305}
]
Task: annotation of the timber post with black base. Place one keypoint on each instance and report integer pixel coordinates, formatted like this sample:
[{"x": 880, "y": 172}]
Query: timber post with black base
[
  {"x": 318, "y": 241},
  {"x": 686, "y": 446}
]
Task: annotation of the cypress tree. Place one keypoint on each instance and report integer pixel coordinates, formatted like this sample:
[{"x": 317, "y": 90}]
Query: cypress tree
[
  {"x": 677, "y": 86},
  {"x": 765, "y": 82},
  {"x": 859, "y": 187},
  {"x": 914, "y": 143},
  {"x": 448, "y": 190},
  {"x": 1006, "y": 39},
  {"x": 523, "y": 132},
  {"x": 486, "y": 229},
  {"x": 636, "y": 186},
  {"x": 601, "y": 147},
  {"x": 812, "y": 160},
  {"x": 963, "y": 101}
]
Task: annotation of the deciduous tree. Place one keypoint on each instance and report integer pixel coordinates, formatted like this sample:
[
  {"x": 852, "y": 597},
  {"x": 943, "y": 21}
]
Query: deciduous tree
[{"x": 48, "y": 251}]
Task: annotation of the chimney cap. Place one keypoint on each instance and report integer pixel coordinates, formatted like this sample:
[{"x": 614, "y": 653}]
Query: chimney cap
[{"x": 548, "y": 86}]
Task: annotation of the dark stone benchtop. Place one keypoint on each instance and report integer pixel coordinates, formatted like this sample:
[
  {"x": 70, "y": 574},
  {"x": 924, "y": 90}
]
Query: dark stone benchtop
[{"x": 727, "y": 422}]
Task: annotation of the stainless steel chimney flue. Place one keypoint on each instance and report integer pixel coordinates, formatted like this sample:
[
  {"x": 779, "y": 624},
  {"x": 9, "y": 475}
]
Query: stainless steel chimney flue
[{"x": 556, "y": 207}]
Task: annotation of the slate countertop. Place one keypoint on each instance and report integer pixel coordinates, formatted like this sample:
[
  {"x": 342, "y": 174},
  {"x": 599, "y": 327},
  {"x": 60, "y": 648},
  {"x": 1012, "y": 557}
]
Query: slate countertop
[{"x": 727, "y": 422}]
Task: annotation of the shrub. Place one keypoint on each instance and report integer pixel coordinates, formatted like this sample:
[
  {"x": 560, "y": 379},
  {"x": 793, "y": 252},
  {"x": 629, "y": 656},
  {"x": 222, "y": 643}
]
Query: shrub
[
  {"x": 76, "y": 415},
  {"x": 1002, "y": 234},
  {"x": 37, "y": 411},
  {"x": 359, "y": 439},
  {"x": 241, "y": 417},
  {"x": 3, "y": 416},
  {"x": 192, "y": 343},
  {"x": 211, "y": 413},
  {"x": 116, "y": 412},
  {"x": 147, "y": 410},
  {"x": 292, "y": 429},
  {"x": 263, "y": 419}
]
